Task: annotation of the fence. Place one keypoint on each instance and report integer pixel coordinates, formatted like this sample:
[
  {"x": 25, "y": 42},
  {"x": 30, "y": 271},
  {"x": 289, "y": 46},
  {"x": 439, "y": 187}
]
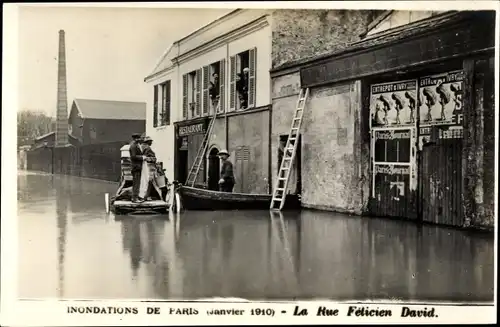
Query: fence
[{"x": 100, "y": 161}]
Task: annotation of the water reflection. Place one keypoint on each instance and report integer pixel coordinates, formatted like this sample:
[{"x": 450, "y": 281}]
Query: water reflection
[
  {"x": 247, "y": 254},
  {"x": 62, "y": 225}
]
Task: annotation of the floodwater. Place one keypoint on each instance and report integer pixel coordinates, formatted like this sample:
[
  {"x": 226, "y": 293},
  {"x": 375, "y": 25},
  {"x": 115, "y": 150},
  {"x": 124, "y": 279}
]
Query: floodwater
[{"x": 70, "y": 248}]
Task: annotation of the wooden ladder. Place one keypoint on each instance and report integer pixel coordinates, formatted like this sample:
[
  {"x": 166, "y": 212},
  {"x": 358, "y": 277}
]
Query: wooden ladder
[
  {"x": 281, "y": 185},
  {"x": 198, "y": 161}
]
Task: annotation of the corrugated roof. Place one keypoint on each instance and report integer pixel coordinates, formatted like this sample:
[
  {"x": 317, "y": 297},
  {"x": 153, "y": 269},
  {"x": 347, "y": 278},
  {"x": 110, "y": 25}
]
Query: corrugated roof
[{"x": 106, "y": 109}]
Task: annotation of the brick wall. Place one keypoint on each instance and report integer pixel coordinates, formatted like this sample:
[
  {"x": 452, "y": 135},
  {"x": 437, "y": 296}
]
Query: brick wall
[{"x": 297, "y": 34}]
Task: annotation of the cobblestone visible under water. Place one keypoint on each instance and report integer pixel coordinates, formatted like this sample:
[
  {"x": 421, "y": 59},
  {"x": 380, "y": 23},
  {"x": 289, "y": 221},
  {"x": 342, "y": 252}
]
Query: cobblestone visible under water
[{"x": 69, "y": 247}]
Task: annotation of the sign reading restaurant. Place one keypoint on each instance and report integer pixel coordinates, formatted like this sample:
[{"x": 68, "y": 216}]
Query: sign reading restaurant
[{"x": 198, "y": 128}]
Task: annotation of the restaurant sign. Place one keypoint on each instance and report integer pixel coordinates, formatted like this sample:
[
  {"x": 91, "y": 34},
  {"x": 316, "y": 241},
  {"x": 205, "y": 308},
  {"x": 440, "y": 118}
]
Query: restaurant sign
[{"x": 198, "y": 128}]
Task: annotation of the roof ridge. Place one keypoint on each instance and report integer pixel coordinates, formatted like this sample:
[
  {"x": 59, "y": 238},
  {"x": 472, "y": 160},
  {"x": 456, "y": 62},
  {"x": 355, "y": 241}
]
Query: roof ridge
[{"x": 105, "y": 100}]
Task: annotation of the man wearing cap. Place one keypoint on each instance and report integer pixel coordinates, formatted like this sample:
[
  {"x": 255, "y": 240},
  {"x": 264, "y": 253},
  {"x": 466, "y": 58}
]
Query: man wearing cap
[
  {"x": 226, "y": 182},
  {"x": 136, "y": 159}
]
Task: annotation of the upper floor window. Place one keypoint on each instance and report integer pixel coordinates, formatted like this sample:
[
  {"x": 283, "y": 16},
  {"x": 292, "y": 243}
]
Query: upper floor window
[
  {"x": 161, "y": 106},
  {"x": 191, "y": 102},
  {"x": 243, "y": 73},
  {"x": 213, "y": 87}
]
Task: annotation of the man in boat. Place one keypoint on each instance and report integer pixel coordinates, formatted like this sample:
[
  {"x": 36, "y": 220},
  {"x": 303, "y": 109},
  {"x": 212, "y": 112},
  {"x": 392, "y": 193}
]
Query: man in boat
[
  {"x": 136, "y": 159},
  {"x": 149, "y": 156},
  {"x": 226, "y": 182}
]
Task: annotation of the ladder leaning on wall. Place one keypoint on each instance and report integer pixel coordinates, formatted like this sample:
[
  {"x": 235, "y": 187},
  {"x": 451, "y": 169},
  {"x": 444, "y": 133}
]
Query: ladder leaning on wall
[
  {"x": 281, "y": 185},
  {"x": 198, "y": 161}
]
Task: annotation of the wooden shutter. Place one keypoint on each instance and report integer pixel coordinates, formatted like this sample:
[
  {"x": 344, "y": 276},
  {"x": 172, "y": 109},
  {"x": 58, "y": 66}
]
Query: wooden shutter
[
  {"x": 242, "y": 163},
  {"x": 167, "y": 103},
  {"x": 206, "y": 96},
  {"x": 155, "y": 106},
  {"x": 163, "y": 103},
  {"x": 198, "y": 92},
  {"x": 185, "y": 96},
  {"x": 222, "y": 85},
  {"x": 252, "y": 61},
  {"x": 232, "y": 84}
]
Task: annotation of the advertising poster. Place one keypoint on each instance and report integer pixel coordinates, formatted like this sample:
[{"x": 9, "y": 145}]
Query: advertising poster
[
  {"x": 440, "y": 99},
  {"x": 391, "y": 182},
  {"x": 393, "y": 104},
  {"x": 392, "y": 145}
]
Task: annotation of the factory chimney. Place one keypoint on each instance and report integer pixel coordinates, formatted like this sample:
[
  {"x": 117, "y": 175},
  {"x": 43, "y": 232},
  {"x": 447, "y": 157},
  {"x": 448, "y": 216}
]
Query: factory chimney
[{"x": 61, "y": 137}]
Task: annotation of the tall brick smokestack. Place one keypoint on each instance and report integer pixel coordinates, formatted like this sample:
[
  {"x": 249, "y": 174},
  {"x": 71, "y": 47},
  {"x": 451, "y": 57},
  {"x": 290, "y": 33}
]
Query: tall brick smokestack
[{"x": 62, "y": 98}]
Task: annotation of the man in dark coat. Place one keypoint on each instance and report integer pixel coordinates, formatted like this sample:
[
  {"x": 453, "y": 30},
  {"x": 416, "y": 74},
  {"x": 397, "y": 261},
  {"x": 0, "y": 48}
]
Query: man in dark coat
[
  {"x": 136, "y": 158},
  {"x": 226, "y": 182}
]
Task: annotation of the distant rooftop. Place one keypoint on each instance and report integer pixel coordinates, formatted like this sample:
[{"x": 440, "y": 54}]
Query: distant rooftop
[{"x": 106, "y": 109}]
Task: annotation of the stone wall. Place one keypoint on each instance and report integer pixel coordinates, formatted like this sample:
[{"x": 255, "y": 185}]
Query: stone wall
[
  {"x": 332, "y": 174},
  {"x": 297, "y": 34},
  {"x": 334, "y": 167},
  {"x": 489, "y": 147},
  {"x": 285, "y": 91}
]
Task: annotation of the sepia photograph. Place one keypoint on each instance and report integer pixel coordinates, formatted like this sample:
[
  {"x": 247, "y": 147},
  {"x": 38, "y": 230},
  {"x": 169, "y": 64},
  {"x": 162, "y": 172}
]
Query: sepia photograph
[{"x": 185, "y": 152}]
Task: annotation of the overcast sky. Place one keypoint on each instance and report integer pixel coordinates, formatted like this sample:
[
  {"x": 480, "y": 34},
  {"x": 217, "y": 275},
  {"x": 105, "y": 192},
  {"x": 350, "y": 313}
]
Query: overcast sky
[{"x": 109, "y": 51}]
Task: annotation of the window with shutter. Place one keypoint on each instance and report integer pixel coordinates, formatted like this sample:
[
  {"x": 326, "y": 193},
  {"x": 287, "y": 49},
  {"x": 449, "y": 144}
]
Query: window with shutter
[
  {"x": 222, "y": 84},
  {"x": 185, "y": 96},
  {"x": 198, "y": 92},
  {"x": 166, "y": 110},
  {"x": 232, "y": 84},
  {"x": 206, "y": 98},
  {"x": 252, "y": 61},
  {"x": 163, "y": 104},
  {"x": 155, "y": 106}
]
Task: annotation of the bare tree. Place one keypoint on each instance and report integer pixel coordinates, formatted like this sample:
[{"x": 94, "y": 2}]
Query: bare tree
[{"x": 32, "y": 124}]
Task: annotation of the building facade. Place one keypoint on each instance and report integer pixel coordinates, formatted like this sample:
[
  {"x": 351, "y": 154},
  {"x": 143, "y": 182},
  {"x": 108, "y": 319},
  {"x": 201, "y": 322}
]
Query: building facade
[
  {"x": 400, "y": 123},
  {"x": 103, "y": 121},
  {"x": 239, "y": 49}
]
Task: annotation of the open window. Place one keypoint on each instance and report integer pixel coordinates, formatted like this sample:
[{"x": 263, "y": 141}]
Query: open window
[
  {"x": 243, "y": 73},
  {"x": 213, "y": 87}
]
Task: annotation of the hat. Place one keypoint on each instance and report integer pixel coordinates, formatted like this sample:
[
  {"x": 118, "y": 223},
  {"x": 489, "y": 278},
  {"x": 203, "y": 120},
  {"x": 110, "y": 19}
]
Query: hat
[
  {"x": 136, "y": 135},
  {"x": 223, "y": 152},
  {"x": 146, "y": 139},
  {"x": 246, "y": 70}
]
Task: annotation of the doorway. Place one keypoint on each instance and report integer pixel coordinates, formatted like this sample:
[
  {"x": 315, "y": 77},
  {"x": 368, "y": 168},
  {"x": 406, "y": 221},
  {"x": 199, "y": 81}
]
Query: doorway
[
  {"x": 213, "y": 169},
  {"x": 182, "y": 160}
]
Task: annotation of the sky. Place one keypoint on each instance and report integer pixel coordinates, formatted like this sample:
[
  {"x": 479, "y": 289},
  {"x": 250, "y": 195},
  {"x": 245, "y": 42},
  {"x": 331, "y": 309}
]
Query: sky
[{"x": 109, "y": 51}]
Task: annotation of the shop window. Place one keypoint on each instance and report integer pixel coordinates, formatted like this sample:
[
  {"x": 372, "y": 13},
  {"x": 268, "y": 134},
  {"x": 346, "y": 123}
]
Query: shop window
[
  {"x": 162, "y": 100},
  {"x": 213, "y": 87},
  {"x": 243, "y": 73},
  {"x": 191, "y": 94}
]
